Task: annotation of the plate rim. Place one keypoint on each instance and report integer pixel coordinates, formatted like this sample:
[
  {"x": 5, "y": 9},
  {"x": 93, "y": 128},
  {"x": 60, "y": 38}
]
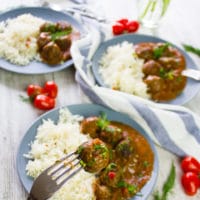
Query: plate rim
[
  {"x": 148, "y": 186},
  {"x": 16, "y": 11},
  {"x": 180, "y": 100}
]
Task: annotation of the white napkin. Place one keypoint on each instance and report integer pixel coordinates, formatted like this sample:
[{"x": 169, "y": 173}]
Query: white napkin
[{"x": 174, "y": 128}]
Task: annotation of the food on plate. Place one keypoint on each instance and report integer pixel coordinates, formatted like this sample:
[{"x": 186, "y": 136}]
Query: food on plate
[
  {"x": 116, "y": 170},
  {"x": 54, "y": 140},
  {"x": 18, "y": 39},
  {"x": 162, "y": 69},
  {"x": 43, "y": 98},
  {"x": 191, "y": 175},
  {"x": 125, "y": 26},
  {"x": 149, "y": 70},
  {"x": 27, "y": 38},
  {"x": 121, "y": 70},
  {"x": 94, "y": 154},
  {"x": 54, "y": 42},
  {"x": 130, "y": 160}
]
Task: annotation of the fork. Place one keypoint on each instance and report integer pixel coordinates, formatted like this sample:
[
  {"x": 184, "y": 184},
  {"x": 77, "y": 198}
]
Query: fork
[
  {"x": 192, "y": 73},
  {"x": 53, "y": 178}
]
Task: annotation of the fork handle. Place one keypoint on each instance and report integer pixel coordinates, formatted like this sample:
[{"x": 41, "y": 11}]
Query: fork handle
[{"x": 31, "y": 198}]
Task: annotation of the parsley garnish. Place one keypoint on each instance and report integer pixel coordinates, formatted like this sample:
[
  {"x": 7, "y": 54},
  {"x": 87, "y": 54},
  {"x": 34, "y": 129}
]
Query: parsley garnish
[
  {"x": 191, "y": 49},
  {"x": 168, "y": 185},
  {"x": 102, "y": 122},
  {"x": 59, "y": 34},
  {"x": 158, "y": 51}
]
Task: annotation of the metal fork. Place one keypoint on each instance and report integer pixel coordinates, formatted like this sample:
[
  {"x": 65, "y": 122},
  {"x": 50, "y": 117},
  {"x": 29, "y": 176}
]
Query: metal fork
[
  {"x": 192, "y": 73},
  {"x": 53, "y": 178}
]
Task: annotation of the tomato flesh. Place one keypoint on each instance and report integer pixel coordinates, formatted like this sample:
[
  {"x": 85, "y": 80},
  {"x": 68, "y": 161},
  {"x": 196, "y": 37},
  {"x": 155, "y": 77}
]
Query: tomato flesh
[
  {"x": 190, "y": 182},
  {"x": 118, "y": 29},
  {"x": 44, "y": 102}
]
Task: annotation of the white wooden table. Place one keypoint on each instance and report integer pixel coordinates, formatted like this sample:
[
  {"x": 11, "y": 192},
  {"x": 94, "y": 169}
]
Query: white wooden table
[{"x": 181, "y": 24}]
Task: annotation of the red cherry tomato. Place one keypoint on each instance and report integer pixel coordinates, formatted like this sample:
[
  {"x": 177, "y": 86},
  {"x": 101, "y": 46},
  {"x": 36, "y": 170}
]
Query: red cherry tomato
[
  {"x": 118, "y": 29},
  {"x": 33, "y": 90},
  {"x": 123, "y": 21},
  {"x": 190, "y": 182},
  {"x": 51, "y": 89},
  {"x": 132, "y": 26},
  {"x": 190, "y": 164},
  {"x": 44, "y": 102},
  {"x": 111, "y": 174}
]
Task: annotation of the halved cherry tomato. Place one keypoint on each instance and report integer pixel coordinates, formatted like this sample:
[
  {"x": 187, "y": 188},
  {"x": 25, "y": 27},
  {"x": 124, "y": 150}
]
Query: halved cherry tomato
[
  {"x": 190, "y": 164},
  {"x": 118, "y": 29},
  {"x": 123, "y": 21},
  {"x": 44, "y": 102},
  {"x": 111, "y": 174},
  {"x": 132, "y": 26},
  {"x": 190, "y": 182},
  {"x": 51, "y": 89},
  {"x": 33, "y": 90}
]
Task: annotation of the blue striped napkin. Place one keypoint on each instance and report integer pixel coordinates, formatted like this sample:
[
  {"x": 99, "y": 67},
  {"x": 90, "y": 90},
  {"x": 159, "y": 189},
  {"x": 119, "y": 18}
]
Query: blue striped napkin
[{"x": 175, "y": 128}]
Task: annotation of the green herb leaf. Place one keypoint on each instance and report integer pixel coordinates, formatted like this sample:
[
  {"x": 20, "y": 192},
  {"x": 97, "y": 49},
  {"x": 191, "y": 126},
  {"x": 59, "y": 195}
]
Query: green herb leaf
[
  {"x": 24, "y": 99},
  {"x": 165, "y": 6},
  {"x": 102, "y": 122},
  {"x": 192, "y": 49},
  {"x": 168, "y": 185},
  {"x": 59, "y": 34},
  {"x": 158, "y": 52}
]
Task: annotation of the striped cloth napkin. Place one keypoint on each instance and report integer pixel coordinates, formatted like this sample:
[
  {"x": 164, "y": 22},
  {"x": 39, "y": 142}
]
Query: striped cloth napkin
[{"x": 175, "y": 128}]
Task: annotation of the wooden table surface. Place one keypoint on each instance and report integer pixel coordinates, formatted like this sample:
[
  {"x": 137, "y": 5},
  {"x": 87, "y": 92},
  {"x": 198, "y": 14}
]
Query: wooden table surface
[{"x": 180, "y": 24}]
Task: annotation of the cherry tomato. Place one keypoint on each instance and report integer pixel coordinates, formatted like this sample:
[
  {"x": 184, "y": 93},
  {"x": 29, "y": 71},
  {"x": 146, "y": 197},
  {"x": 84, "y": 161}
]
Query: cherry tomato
[
  {"x": 51, "y": 89},
  {"x": 111, "y": 174},
  {"x": 118, "y": 29},
  {"x": 33, "y": 90},
  {"x": 190, "y": 182},
  {"x": 123, "y": 21},
  {"x": 44, "y": 102},
  {"x": 190, "y": 164},
  {"x": 132, "y": 26}
]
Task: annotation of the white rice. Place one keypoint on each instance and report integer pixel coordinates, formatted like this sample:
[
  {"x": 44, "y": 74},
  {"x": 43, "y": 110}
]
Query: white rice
[
  {"x": 18, "y": 39},
  {"x": 52, "y": 142},
  {"x": 121, "y": 69}
]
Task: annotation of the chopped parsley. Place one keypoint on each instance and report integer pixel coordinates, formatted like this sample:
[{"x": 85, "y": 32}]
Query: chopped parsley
[
  {"x": 158, "y": 51},
  {"x": 102, "y": 122}
]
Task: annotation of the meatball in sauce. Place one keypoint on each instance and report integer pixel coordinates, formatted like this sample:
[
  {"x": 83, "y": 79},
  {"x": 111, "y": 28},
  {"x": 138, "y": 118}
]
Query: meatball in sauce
[
  {"x": 54, "y": 42},
  {"x": 122, "y": 160},
  {"x": 162, "y": 69}
]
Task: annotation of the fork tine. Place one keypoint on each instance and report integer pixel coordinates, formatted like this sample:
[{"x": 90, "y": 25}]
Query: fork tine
[
  {"x": 62, "y": 164},
  {"x": 71, "y": 175},
  {"x": 67, "y": 170}
]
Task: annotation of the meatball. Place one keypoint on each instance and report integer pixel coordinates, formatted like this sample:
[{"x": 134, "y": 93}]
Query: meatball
[
  {"x": 43, "y": 39},
  {"x": 63, "y": 26},
  {"x": 89, "y": 126},
  {"x": 64, "y": 42},
  {"x": 155, "y": 83},
  {"x": 125, "y": 148},
  {"x": 111, "y": 134},
  {"x": 111, "y": 175},
  {"x": 151, "y": 67},
  {"x": 48, "y": 27},
  {"x": 51, "y": 53},
  {"x": 102, "y": 192},
  {"x": 94, "y": 155},
  {"x": 145, "y": 50}
]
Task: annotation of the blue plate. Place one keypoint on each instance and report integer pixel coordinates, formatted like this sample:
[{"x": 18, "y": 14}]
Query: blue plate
[
  {"x": 36, "y": 67},
  {"x": 192, "y": 87},
  {"x": 85, "y": 110}
]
